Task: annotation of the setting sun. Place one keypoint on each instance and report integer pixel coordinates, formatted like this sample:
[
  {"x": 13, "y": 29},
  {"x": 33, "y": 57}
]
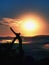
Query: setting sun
[
  {"x": 32, "y": 25},
  {"x": 29, "y": 25}
]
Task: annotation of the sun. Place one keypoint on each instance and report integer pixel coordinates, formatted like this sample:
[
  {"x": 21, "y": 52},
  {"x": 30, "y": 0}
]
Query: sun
[{"x": 29, "y": 25}]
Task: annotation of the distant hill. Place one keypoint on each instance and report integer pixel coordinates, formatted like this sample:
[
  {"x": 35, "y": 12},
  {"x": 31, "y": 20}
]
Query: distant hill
[
  {"x": 39, "y": 38},
  {"x": 35, "y": 39},
  {"x": 6, "y": 38}
]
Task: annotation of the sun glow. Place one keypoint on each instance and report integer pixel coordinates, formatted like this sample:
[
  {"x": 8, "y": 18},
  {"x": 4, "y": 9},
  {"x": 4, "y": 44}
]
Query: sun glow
[{"x": 29, "y": 25}]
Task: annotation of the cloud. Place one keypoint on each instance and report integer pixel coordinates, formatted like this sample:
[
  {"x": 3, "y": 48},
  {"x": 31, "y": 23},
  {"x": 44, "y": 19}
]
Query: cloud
[
  {"x": 6, "y": 23},
  {"x": 9, "y": 22},
  {"x": 1, "y": 24}
]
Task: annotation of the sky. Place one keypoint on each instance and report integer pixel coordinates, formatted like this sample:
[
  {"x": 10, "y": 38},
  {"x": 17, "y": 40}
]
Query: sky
[{"x": 11, "y": 10}]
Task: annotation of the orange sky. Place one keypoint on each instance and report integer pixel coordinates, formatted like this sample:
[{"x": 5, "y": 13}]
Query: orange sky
[{"x": 18, "y": 24}]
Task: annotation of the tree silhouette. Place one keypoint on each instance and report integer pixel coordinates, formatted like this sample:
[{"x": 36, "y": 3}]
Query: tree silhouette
[{"x": 21, "y": 52}]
